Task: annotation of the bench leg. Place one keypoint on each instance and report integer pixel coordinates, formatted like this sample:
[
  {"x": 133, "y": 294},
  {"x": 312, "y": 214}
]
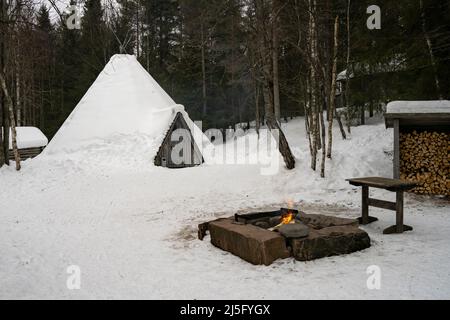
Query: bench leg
[
  {"x": 365, "y": 218},
  {"x": 399, "y": 227}
]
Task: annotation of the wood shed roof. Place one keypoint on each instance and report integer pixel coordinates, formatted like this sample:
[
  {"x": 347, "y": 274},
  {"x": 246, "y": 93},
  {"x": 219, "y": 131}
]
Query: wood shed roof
[{"x": 418, "y": 113}]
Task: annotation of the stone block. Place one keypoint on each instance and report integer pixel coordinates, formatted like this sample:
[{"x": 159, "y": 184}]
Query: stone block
[
  {"x": 251, "y": 243},
  {"x": 330, "y": 241}
]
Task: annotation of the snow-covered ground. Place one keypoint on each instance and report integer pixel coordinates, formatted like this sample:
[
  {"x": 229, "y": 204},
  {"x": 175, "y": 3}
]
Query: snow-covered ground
[{"x": 131, "y": 227}]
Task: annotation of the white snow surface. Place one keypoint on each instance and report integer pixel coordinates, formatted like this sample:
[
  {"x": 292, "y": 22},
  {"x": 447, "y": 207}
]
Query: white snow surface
[
  {"x": 28, "y": 137},
  {"x": 124, "y": 102},
  {"x": 429, "y": 106},
  {"x": 131, "y": 227}
]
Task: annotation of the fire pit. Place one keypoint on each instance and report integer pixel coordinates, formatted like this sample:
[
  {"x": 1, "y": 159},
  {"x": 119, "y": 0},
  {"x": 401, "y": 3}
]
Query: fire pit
[{"x": 261, "y": 238}]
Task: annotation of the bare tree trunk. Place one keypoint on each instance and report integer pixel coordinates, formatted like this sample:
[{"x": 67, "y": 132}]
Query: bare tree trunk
[
  {"x": 347, "y": 75},
  {"x": 313, "y": 83},
  {"x": 18, "y": 93},
  {"x": 332, "y": 98},
  {"x": 137, "y": 31},
  {"x": 202, "y": 31},
  {"x": 308, "y": 113},
  {"x": 275, "y": 44},
  {"x": 147, "y": 44},
  {"x": 2, "y": 157},
  {"x": 9, "y": 105},
  {"x": 430, "y": 50},
  {"x": 363, "y": 114},
  {"x": 328, "y": 56},
  {"x": 264, "y": 43},
  {"x": 285, "y": 150},
  {"x": 5, "y": 131},
  {"x": 181, "y": 39},
  {"x": 341, "y": 126},
  {"x": 4, "y": 115},
  {"x": 257, "y": 111},
  {"x": 2, "y": 127},
  {"x": 324, "y": 151}
]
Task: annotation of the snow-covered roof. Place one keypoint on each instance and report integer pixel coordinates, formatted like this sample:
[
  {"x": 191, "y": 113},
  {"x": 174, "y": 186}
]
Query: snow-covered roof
[
  {"x": 418, "y": 113},
  {"x": 396, "y": 63},
  {"x": 343, "y": 75},
  {"x": 438, "y": 106},
  {"x": 29, "y": 137},
  {"x": 124, "y": 101}
]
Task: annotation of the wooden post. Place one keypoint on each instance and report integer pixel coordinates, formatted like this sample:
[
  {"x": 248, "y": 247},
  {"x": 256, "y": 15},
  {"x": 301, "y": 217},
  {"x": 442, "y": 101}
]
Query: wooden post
[
  {"x": 365, "y": 205},
  {"x": 399, "y": 227},
  {"x": 396, "y": 149},
  {"x": 363, "y": 115},
  {"x": 371, "y": 108},
  {"x": 399, "y": 211}
]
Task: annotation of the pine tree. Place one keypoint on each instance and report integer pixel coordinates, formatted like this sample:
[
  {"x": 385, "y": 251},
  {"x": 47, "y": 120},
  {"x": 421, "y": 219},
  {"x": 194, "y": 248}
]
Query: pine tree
[
  {"x": 94, "y": 44},
  {"x": 45, "y": 70}
]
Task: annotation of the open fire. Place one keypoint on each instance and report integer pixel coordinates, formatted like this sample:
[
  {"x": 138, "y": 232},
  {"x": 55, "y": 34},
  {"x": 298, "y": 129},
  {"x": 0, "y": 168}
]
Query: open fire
[
  {"x": 286, "y": 218},
  {"x": 269, "y": 220}
]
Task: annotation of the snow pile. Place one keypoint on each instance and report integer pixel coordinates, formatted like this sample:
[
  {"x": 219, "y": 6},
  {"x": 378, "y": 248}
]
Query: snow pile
[
  {"x": 124, "y": 102},
  {"x": 28, "y": 137},
  {"x": 438, "y": 106}
]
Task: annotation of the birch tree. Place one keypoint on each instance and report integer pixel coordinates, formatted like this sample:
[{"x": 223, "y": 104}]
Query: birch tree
[
  {"x": 348, "y": 71},
  {"x": 313, "y": 124},
  {"x": 332, "y": 105},
  {"x": 12, "y": 120}
]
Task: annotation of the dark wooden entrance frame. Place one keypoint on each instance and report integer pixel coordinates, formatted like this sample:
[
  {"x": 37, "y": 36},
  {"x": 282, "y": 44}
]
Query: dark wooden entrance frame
[{"x": 166, "y": 145}]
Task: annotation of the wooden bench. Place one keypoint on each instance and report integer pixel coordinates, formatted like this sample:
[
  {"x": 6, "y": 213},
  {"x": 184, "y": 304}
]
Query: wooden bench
[{"x": 393, "y": 185}]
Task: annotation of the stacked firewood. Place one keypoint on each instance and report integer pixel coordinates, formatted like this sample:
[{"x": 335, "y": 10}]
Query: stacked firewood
[{"x": 425, "y": 158}]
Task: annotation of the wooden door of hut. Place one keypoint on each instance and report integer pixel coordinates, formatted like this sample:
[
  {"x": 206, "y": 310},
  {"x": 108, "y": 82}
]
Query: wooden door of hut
[{"x": 179, "y": 149}]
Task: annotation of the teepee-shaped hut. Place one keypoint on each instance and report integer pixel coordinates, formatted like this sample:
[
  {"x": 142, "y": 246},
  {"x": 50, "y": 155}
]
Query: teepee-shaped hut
[{"x": 125, "y": 101}]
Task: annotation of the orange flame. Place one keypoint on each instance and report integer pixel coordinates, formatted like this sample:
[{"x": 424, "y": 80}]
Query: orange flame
[{"x": 287, "y": 218}]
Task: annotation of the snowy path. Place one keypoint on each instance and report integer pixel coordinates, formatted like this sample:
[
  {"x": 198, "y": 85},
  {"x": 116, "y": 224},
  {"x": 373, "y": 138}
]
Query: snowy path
[{"x": 133, "y": 233}]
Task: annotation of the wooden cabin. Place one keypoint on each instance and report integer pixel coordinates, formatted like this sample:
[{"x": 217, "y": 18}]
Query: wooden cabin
[
  {"x": 27, "y": 153},
  {"x": 30, "y": 142},
  {"x": 179, "y": 144}
]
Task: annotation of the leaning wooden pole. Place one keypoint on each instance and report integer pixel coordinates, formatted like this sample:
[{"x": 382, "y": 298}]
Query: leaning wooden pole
[{"x": 283, "y": 144}]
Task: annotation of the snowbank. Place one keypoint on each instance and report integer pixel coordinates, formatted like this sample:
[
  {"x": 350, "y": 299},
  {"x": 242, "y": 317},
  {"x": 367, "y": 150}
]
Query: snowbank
[{"x": 29, "y": 137}]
